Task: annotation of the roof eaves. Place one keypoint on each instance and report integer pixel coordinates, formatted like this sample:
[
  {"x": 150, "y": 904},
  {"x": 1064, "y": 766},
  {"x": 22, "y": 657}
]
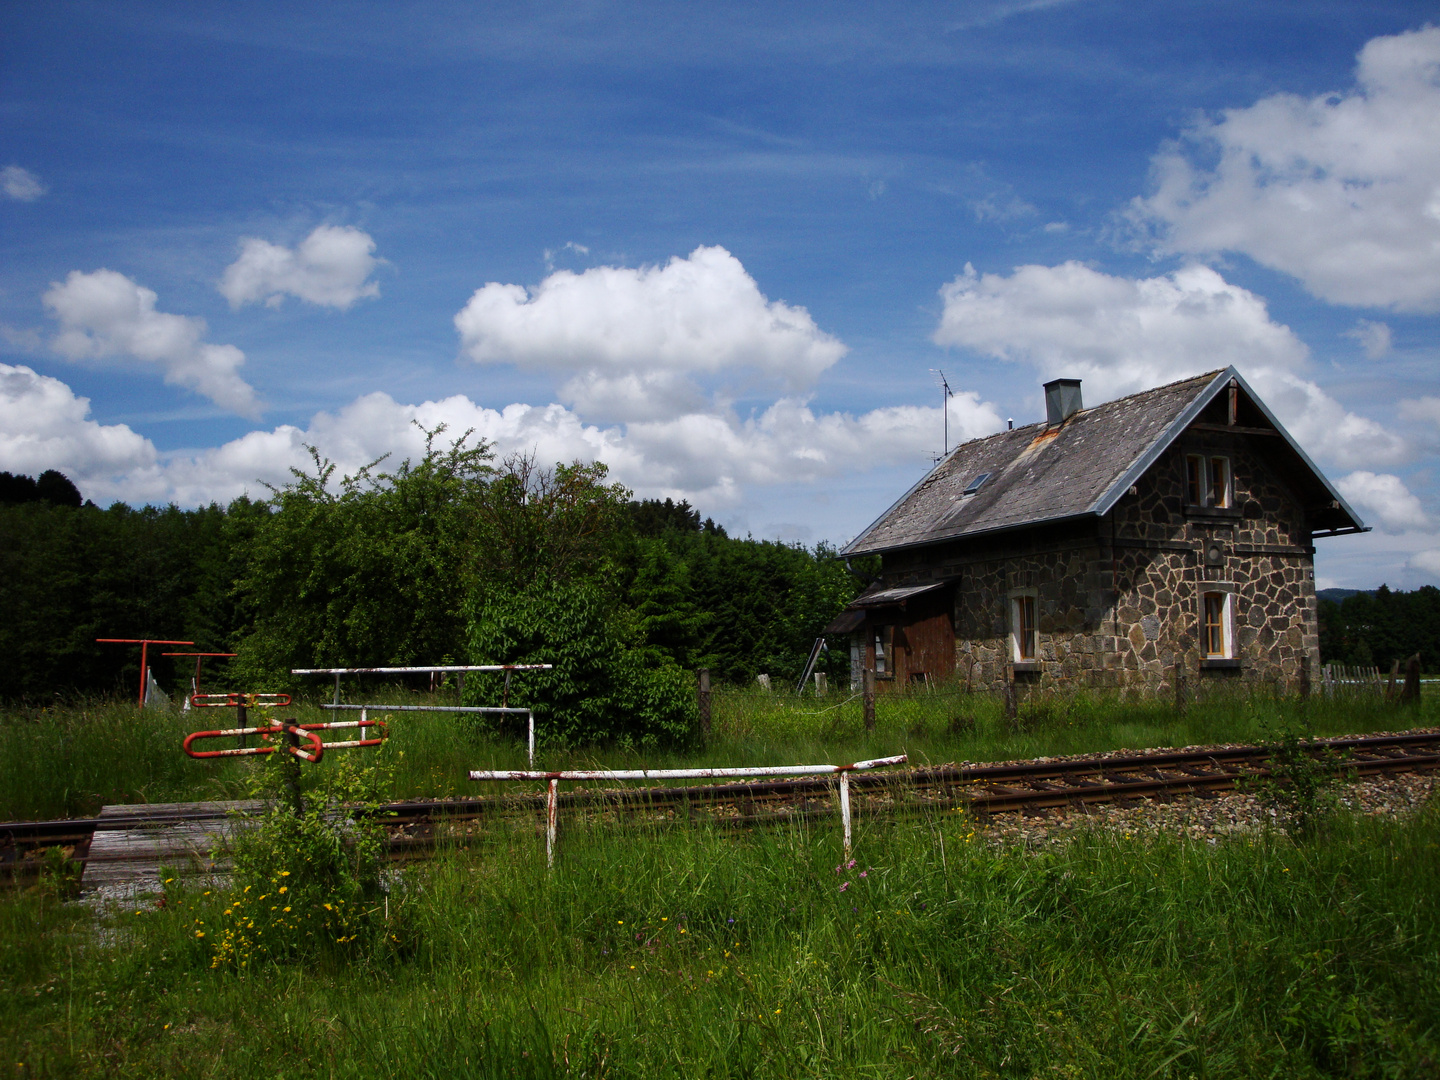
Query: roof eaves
[
  {"x": 1360, "y": 526},
  {"x": 1106, "y": 502},
  {"x": 928, "y": 541},
  {"x": 849, "y": 549}
]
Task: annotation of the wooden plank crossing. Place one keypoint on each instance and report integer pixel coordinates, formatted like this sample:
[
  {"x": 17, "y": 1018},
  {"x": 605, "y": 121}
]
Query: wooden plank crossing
[{"x": 132, "y": 842}]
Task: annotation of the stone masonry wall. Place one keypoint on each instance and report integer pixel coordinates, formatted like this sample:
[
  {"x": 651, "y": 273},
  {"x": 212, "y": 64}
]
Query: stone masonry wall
[{"x": 1118, "y": 603}]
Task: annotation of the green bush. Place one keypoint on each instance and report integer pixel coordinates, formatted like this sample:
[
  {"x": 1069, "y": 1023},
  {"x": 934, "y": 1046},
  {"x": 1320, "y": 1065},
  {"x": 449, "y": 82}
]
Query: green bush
[
  {"x": 306, "y": 880},
  {"x": 605, "y": 686}
]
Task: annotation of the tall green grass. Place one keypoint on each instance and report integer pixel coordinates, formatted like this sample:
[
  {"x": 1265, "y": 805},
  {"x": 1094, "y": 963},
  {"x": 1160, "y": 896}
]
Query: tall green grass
[
  {"x": 61, "y": 762},
  {"x": 700, "y": 953}
]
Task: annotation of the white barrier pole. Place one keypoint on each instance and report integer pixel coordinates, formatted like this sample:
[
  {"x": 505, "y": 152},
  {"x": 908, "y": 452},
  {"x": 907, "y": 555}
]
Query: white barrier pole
[{"x": 551, "y": 811}]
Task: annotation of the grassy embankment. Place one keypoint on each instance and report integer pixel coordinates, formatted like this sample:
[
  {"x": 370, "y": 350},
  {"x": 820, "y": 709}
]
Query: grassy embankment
[
  {"x": 70, "y": 761},
  {"x": 694, "y": 951},
  {"x": 700, "y": 953}
]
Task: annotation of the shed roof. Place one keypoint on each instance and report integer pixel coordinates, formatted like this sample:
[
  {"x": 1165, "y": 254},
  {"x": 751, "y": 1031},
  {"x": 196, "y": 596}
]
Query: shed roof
[{"x": 1042, "y": 474}]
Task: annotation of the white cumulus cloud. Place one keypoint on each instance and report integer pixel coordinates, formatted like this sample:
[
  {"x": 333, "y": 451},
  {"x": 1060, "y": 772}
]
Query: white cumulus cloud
[
  {"x": 43, "y": 425},
  {"x": 330, "y": 267},
  {"x": 1341, "y": 191},
  {"x": 1374, "y": 338},
  {"x": 21, "y": 184},
  {"x": 1425, "y": 409},
  {"x": 104, "y": 314},
  {"x": 1428, "y": 561},
  {"x": 1385, "y": 497},
  {"x": 1123, "y": 334},
  {"x": 635, "y": 338},
  {"x": 710, "y": 458}
]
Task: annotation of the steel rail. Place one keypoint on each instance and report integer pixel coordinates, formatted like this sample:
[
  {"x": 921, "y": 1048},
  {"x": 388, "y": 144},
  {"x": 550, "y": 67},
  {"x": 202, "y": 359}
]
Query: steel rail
[{"x": 984, "y": 789}]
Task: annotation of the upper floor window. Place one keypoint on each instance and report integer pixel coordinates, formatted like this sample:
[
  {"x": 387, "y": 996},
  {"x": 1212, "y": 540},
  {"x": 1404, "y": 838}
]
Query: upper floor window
[
  {"x": 1022, "y": 628},
  {"x": 1207, "y": 481}
]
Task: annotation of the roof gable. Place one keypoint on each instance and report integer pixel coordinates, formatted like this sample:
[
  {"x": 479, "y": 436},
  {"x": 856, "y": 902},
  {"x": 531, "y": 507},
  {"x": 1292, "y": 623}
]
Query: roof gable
[{"x": 1080, "y": 468}]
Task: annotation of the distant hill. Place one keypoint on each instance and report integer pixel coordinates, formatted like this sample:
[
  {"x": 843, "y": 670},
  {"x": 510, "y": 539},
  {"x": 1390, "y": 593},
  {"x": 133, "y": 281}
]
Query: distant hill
[{"x": 1340, "y": 594}]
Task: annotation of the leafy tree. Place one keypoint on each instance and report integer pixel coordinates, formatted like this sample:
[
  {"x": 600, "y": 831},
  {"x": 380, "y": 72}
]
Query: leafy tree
[
  {"x": 374, "y": 574},
  {"x": 541, "y": 525},
  {"x": 50, "y": 486},
  {"x": 605, "y": 686},
  {"x": 1381, "y": 627}
]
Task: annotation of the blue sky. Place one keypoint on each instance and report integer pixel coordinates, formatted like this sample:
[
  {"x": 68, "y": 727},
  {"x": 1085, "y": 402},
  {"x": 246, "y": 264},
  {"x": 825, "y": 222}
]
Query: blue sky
[{"x": 720, "y": 248}]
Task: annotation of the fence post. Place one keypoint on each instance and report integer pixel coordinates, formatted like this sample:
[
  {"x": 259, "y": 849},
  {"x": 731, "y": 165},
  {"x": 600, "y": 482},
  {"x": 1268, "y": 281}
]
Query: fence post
[
  {"x": 1390, "y": 687},
  {"x": 868, "y": 698},
  {"x": 703, "y": 702},
  {"x": 821, "y": 684},
  {"x": 1180, "y": 687},
  {"x": 1011, "y": 710},
  {"x": 1305, "y": 678},
  {"x": 1411, "y": 694}
]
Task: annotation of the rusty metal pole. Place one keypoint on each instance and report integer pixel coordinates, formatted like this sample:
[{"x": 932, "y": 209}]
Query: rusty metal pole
[
  {"x": 242, "y": 721},
  {"x": 703, "y": 702},
  {"x": 1011, "y": 709},
  {"x": 144, "y": 644},
  {"x": 868, "y": 698}
]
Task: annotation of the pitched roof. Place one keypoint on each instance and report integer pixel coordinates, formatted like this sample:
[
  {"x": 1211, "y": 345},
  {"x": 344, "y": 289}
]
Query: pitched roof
[{"x": 1041, "y": 474}]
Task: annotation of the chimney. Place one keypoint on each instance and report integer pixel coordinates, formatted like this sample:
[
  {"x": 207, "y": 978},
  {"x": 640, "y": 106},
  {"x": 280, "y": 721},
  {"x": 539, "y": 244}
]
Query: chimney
[{"x": 1062, "y": 400}]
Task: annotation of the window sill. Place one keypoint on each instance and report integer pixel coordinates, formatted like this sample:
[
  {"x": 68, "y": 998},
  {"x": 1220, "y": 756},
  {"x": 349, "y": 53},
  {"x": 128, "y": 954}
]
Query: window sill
[
  {"x": 1219, "y": 662},
  {"x": 1026, "y": 667},
  {"x": 1225, "y": 512}
]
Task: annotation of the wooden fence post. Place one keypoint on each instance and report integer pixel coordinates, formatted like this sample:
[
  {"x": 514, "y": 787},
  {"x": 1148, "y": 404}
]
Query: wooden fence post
[
  {"x": 1180, "y": 702},
  {"x": 703, "y": 701},
  {"x": 869, "y": 699},
  {"x": 1411, "y": 694},
  {"x": 1012, "y": 710}
]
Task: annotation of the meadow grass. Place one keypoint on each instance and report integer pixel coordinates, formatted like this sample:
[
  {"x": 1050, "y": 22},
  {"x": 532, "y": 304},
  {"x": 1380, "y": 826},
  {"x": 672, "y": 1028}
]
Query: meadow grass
[
  {"x": 69, "y": 761},
  {"x": 698, "y": 952}
]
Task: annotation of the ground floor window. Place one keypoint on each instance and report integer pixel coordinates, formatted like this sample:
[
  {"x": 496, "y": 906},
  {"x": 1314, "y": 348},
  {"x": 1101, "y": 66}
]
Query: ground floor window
[
  {"x": 1217, "y": 629},
  {"x": 1022, "y": 628}
]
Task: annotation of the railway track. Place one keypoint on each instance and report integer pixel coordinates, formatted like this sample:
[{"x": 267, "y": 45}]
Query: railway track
[{"x": 1028, "y": 786}]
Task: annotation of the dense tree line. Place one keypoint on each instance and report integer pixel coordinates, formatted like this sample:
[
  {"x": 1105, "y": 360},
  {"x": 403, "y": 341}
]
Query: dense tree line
[
  {"x": 1380, "y": 627},
  {"x": 452, "y": 557}
]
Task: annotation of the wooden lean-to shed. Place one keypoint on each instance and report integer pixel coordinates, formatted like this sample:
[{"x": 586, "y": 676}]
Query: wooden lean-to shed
[{"x": 1166, "y": 533}]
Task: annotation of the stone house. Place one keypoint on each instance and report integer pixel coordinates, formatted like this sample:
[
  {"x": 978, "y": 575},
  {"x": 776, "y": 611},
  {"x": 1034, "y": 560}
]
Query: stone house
[{"x": 1167, "y": 534}]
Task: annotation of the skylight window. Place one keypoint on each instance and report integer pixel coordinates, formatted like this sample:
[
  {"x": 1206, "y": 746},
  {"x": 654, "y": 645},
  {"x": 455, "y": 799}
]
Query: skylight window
[{"x": 975, "y": 483}]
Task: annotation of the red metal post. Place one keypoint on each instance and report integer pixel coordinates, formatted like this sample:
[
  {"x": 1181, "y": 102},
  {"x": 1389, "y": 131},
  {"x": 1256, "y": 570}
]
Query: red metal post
[
  {"x": 144, "y": 644},
  {"x": 199, "y": 659}
]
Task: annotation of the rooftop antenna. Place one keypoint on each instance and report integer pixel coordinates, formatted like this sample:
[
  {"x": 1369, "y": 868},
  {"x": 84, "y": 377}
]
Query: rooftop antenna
[{"x": 945, "y": 395}]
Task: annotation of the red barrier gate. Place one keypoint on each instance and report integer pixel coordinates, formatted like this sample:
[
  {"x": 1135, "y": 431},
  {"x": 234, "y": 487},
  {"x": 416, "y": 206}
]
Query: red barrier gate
[{"x": 283, "y": 727}]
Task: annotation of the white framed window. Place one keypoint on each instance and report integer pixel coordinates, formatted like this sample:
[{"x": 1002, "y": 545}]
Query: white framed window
[
  {"x": 1194, "y": 479},
  {"x": 1024, "y": 634},
  {"x": 1217, "y": 622},
  {"x": 1208, "y": 481},
  {"x": 1219, "y": 493}
]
